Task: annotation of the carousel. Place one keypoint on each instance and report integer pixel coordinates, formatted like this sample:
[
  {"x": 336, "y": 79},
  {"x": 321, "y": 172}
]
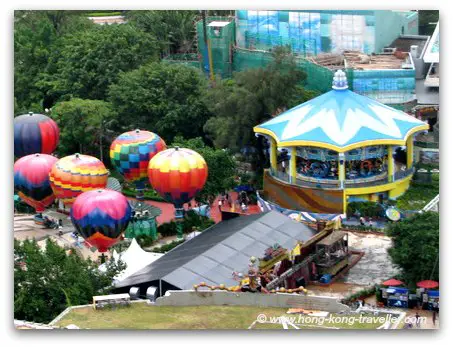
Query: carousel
[{"x": 337, "y": 148}]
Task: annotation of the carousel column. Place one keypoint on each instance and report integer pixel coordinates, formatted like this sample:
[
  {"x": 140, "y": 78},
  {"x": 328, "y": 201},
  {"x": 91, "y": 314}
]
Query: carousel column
[
  {"x": 390, "y": 164},
  {"x": 341, "y": 169},
  {"x": 292, "y": 168},
  {"x": 273, "y": 156},
  {"x": 410, "y": 152}
]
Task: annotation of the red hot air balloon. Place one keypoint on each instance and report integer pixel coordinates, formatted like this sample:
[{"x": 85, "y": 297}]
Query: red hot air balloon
[
  {"x": 178, "y": 174},
  {"x": 31, "y": 180},
  {"x": 131, "y": 152},
  {"x": 35, "y": 133},
  {"x": 100, "y": 216},
  {"x": 75, "y": 174}
]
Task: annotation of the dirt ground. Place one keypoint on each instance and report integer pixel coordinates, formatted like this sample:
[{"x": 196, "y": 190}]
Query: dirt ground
[{"x": 375, "y": 266}]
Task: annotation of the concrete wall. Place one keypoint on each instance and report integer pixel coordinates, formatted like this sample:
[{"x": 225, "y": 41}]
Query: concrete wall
[{"x": 219, "y": 297}]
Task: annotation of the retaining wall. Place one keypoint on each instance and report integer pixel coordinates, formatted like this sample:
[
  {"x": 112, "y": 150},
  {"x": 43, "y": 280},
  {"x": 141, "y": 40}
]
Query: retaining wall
[{"x": 219, "y": 297}]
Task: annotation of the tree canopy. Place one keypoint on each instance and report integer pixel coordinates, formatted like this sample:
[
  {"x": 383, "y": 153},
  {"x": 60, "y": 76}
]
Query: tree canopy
[
  {"x": 83, "y": 64},
  {"x": 175, "y": 29},
  {"x": 83, "y": 125},
  {"x": 48, "y": 280},
  {"x": 252, "y": 97},
  {"x": 415, "y": 247},
  {"x": 35, "y": 34},
  {"x": 163, "y": 98}
]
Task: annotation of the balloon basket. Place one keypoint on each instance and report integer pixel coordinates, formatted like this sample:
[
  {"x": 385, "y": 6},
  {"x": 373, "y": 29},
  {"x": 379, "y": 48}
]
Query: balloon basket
[{"x": 140, "y": 195}]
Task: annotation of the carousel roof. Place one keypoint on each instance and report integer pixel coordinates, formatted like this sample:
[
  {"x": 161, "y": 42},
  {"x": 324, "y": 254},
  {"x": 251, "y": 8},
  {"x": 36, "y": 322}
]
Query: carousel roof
[{"x": 341, "y": 120}]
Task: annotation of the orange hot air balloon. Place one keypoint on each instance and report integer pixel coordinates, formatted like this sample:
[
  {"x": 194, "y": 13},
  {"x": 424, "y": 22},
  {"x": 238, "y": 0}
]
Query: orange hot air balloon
[
  {"x": 72, "y": 175},
  {"x": 177, "y": 174}
]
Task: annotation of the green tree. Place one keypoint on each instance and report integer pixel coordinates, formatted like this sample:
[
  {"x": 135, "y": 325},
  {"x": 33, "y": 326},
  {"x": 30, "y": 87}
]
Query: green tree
[
  {"x": 85, "y": 63},
  {"x": 35, "y": 34},
  {"x": 175, "y": 29},
  {"x": 48, "y": 280},
  {"x": 221, "y": 167},
  {"x": 253, "y": 96},
  {"x": 84, "y": 126},
  {"x": 415, "y": 247},
  {"x": 426, "y": 20},
  {"x": 163, "y": 98}
]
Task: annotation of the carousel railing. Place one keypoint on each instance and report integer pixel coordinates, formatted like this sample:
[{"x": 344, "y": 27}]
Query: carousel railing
[
  {"x": 312, "y": 182},
  {"x": 309, "y": 183}
]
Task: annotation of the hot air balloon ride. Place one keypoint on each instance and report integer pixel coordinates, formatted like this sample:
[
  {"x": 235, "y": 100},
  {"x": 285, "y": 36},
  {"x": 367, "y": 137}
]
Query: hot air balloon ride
[
  {"x": 178, "y": 174},
  {"x": 101, "y": 216},
  {"x": 35, "y": 133},
  {"x": 74, "y": 174},
  {"x": 130, "y": 154},
  {"x": 31, "y": 180}
]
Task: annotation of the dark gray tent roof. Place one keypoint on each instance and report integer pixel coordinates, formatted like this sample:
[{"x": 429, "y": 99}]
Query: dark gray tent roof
[{"x": 213, "y": 255}]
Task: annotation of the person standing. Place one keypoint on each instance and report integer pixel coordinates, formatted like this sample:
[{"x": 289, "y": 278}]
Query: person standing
[
  {"x": 220, "y": 205},
  {"x": 435, "y": 311},
  {"x": 417, "y": 320}
]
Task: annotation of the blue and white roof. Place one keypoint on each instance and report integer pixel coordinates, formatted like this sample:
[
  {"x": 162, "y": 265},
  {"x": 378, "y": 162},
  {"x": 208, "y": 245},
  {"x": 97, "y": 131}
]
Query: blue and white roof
[{"x": 341, "y": 120}]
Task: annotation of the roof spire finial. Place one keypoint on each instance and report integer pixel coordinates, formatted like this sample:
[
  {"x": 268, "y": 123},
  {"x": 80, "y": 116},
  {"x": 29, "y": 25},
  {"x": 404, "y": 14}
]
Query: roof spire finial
[{"x": 340, "y": 82}]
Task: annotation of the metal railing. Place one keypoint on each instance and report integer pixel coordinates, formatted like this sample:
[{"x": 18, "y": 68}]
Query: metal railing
[
  {"x": 433, "y": 205},
  {"x": 335, "y": 184}
]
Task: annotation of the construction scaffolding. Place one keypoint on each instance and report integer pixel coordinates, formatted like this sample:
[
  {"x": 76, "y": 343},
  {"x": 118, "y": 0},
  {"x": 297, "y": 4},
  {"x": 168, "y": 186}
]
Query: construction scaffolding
[
  {"x": 319, "y": 78},
  {"x": 217, "y": 48},
  {"x": 231, "y": 46}
]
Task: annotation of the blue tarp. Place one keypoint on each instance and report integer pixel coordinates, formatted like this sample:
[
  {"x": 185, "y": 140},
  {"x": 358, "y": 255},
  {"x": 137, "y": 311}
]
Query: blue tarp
[{"x": 433, "y": 293}]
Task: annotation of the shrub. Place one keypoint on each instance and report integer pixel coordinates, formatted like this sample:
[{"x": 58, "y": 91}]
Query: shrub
[
  {"x": 149, "y": 194},
  {"x": 364, "y": 293},
  {"x": 167, "y": 247},
  {"x": 366, "y": 209},
  {"x": 145, "y": 240}
]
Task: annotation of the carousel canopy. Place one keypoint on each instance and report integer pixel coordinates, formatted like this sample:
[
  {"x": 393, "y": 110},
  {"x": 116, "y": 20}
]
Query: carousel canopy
[{"x": 341, "y": 120}]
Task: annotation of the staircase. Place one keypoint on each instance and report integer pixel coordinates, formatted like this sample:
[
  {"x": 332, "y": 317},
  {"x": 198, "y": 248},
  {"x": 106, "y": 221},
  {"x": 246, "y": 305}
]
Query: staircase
[
  {"x": 433, "y": 205},
  {"x": 288, "y": 273}
]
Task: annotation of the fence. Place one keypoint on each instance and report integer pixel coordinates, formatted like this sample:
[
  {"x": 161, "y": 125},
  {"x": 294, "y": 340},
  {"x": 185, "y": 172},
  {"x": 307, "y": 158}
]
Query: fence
[
  {"x": 318, "y": 78},
  {"x": 188, "y": 59}
]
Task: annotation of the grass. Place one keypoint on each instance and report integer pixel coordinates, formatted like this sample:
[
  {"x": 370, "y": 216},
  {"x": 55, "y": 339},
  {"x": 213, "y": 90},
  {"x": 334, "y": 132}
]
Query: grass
[
  {"x": 143, "y": 316},
  {"x": 419, "y": 194}
]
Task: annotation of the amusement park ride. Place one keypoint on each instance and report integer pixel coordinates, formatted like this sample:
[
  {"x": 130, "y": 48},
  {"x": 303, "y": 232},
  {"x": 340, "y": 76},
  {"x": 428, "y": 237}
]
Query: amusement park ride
[{"x": 99, "y": 214}]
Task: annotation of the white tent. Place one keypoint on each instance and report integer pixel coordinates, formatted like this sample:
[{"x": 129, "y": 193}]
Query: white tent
[{"x": 135, "y": 259}]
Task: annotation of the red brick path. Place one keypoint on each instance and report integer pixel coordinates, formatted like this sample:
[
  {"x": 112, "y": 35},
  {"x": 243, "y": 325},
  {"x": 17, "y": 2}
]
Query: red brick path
[{"x": 168, "y": 210}]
